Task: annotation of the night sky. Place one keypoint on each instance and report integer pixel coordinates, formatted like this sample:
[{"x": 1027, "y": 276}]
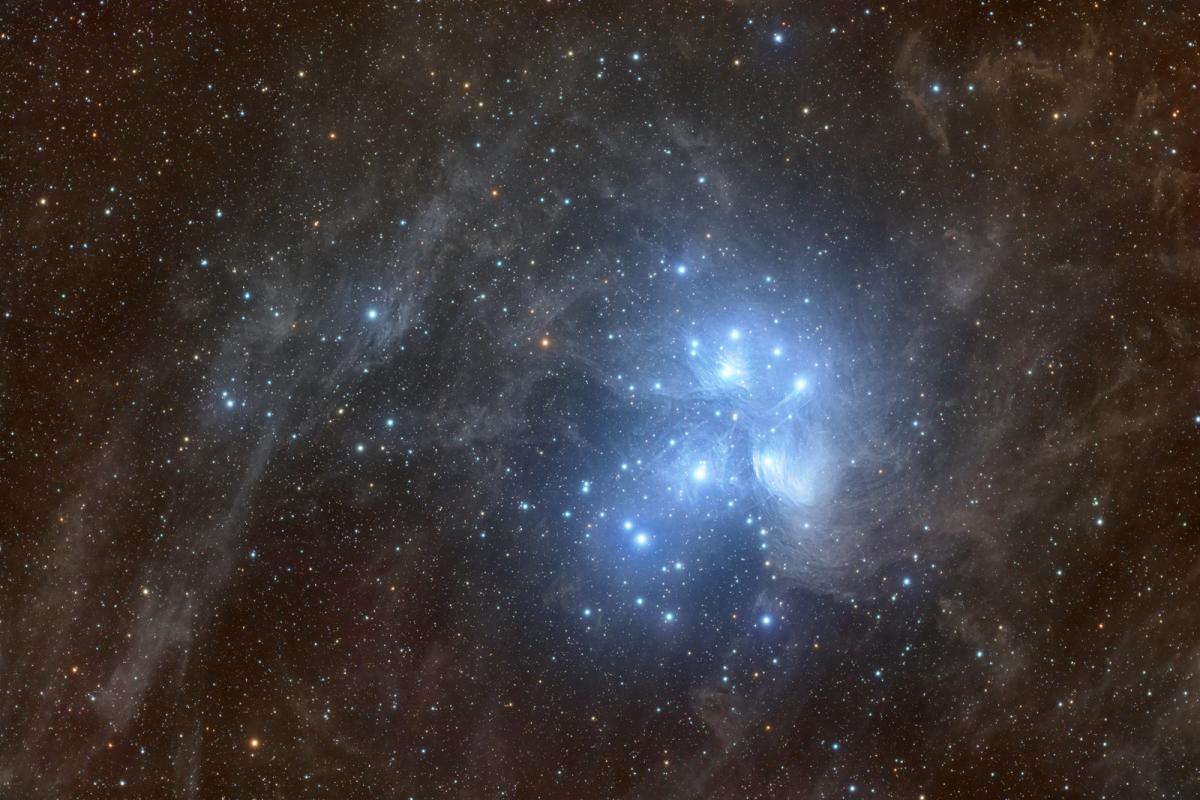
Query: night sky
[{"x": 588, "y": 400}]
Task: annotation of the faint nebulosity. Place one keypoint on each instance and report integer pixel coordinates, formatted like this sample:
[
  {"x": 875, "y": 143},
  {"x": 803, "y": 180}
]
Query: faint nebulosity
[{"x": 568, "y": 399}]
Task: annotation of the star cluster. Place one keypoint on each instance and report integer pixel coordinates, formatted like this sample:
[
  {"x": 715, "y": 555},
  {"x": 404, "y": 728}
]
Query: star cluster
[{"x": 600, "y": 400}]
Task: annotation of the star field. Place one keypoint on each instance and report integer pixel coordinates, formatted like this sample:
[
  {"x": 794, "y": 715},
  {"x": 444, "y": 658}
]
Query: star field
[{"x": 599, "y": 400}]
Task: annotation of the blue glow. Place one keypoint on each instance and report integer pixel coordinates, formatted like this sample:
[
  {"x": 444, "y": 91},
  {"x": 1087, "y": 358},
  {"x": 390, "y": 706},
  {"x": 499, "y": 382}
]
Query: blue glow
[
  {"x": 731, "y": 367},
  {"x": 372, "y": 314},
  {"x": 700, "y": 473},
  {"x": 778, "y": 38},
  {"x": 766, "y": 620},
  {"x": 642, "y": 539},
  {"x": 391, "y": 423}
]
